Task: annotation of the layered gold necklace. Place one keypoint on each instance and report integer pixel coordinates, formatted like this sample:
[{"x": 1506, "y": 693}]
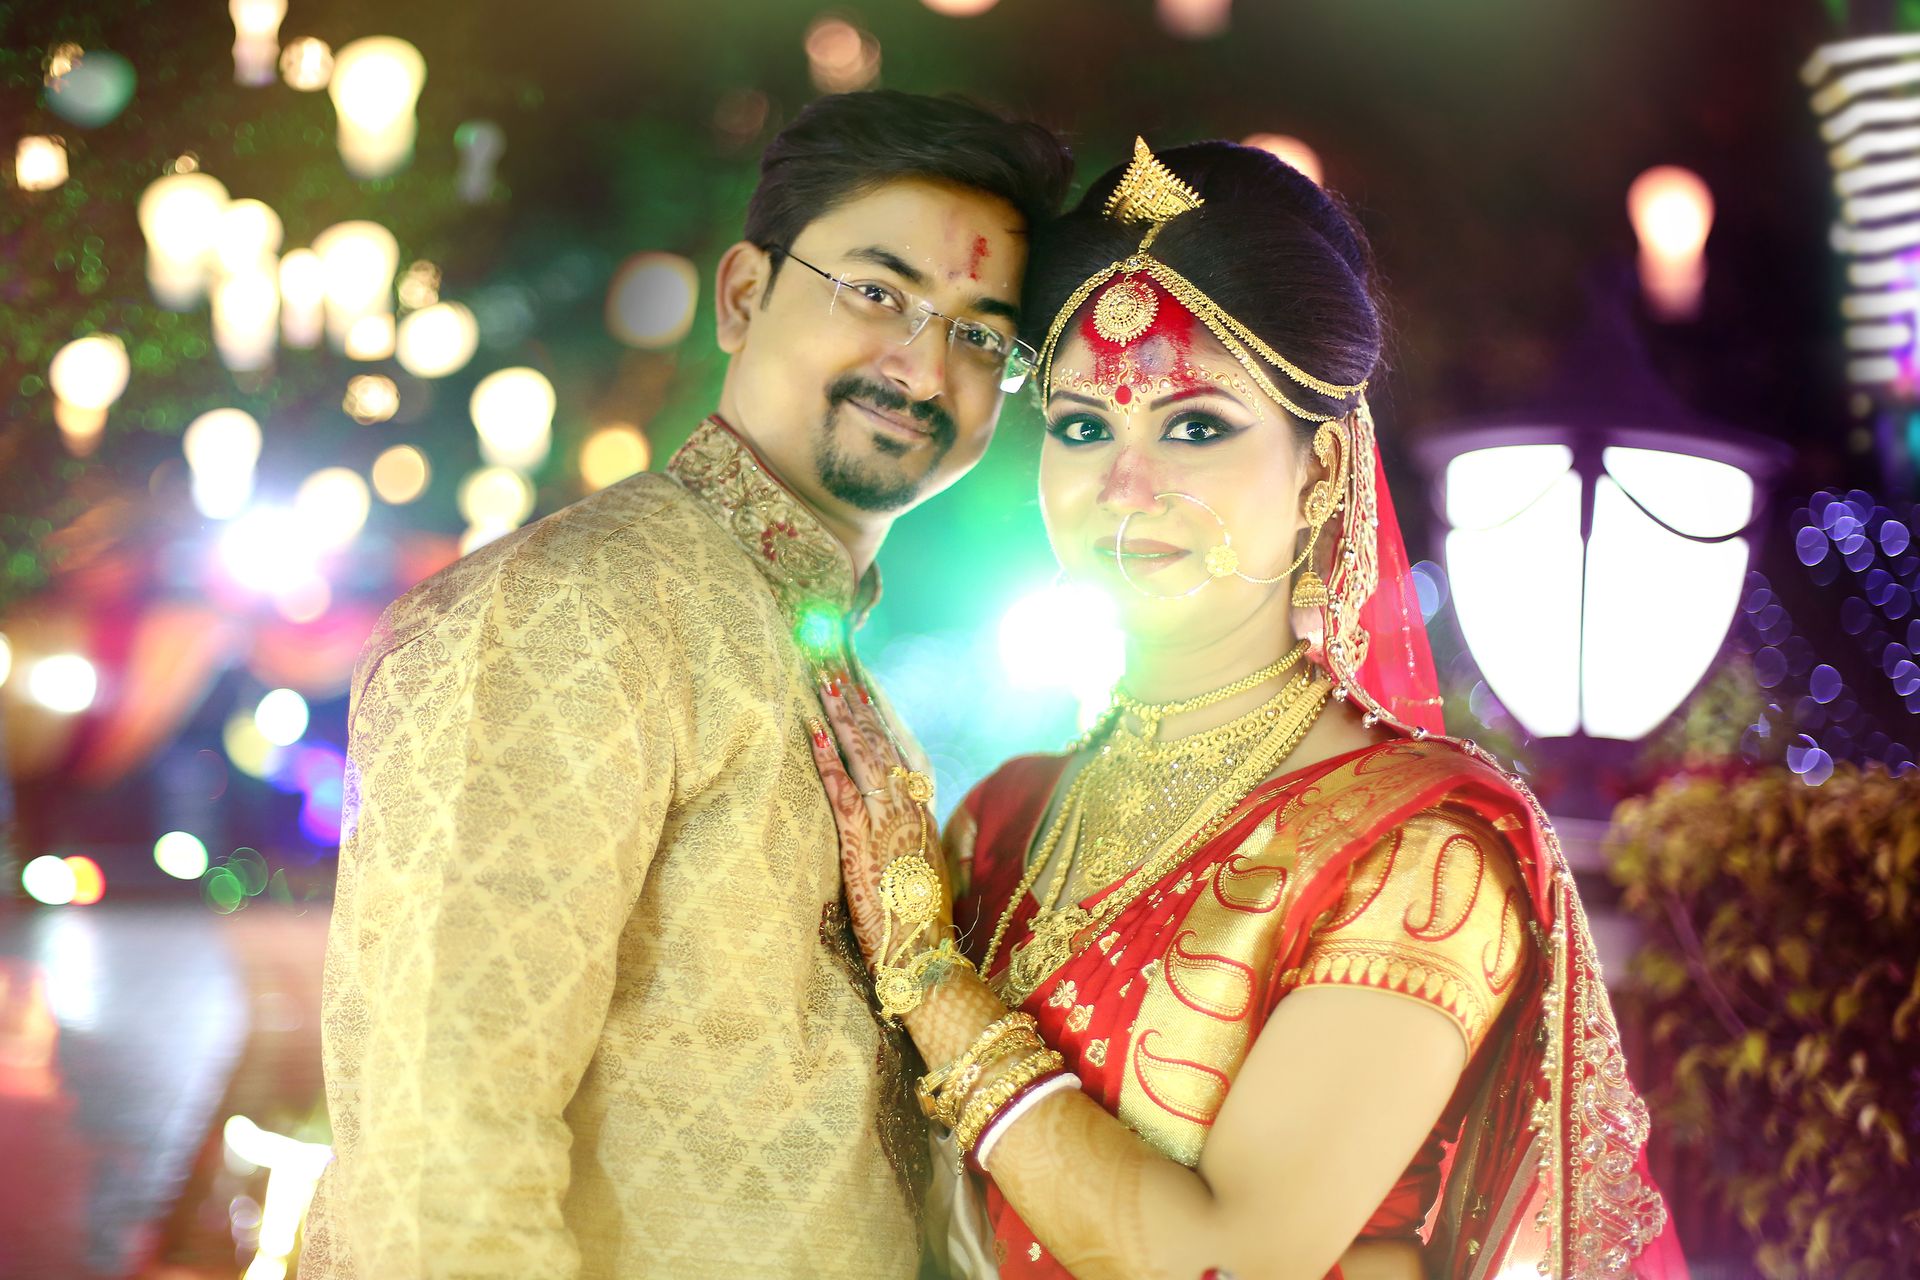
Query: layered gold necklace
[{"x": 1139, "y": 805}]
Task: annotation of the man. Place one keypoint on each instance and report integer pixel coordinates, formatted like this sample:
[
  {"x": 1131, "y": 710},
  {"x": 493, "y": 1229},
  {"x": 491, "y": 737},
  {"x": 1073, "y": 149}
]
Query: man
[{"x": 592, "y": 1007}]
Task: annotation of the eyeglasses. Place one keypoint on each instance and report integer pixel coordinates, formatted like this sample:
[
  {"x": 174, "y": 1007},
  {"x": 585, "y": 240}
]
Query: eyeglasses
[{"x": 901, "y": 316}]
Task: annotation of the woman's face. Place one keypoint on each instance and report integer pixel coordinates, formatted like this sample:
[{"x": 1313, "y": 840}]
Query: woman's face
[{"x": 1168, "y": 412}]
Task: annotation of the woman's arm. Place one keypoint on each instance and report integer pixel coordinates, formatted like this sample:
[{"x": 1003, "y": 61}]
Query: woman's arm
[
  {"x": 1341, "y": 1088},
  {"x": 1335, "y": 1098}
]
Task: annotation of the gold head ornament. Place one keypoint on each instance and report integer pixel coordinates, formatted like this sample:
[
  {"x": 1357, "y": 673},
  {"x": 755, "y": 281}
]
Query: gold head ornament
[{"x": 1149, "y": 193}]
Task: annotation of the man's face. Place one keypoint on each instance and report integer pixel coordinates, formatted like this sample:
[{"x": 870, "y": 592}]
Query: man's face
[{"x": 861, "y": 423}]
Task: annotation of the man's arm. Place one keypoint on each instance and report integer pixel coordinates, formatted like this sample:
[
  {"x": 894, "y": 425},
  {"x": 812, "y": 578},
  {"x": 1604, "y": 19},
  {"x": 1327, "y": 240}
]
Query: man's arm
[{"x": 508, "y": 779}]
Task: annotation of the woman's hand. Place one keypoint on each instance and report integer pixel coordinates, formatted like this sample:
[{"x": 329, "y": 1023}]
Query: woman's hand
[{"x": 883, "y": 824}]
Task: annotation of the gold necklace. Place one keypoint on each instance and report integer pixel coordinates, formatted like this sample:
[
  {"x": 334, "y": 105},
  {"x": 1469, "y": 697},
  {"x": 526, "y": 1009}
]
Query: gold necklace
[
  {"x": 1053, "y": 930},
  {"x": 1143, "y": 789},
  {"x": 1151, "y": 714}
]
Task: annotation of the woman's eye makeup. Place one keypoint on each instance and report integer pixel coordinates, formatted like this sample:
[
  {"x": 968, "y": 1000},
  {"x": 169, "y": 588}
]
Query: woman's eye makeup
[{"x": 1187, "y": 428}]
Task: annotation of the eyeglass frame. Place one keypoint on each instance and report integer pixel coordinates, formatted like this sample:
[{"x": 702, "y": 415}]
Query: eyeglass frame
[{"x": 1018, "y": 350}]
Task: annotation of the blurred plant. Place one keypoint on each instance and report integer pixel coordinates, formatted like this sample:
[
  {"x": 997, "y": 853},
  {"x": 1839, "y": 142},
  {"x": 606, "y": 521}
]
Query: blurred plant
[{"x": 1780, "y": 976}]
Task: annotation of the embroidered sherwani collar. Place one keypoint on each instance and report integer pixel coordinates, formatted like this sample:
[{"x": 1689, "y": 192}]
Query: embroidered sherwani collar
[{"x": 807, "y": 567}]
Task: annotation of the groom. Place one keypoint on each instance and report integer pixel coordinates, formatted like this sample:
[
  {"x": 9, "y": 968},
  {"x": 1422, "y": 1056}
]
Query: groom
[{"x": 592, "y": 1007}]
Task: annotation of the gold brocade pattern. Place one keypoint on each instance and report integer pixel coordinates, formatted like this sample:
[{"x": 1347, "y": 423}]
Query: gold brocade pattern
[
  {"x": 588, "y": 1009},
  {"x": 1436, "y": 912},
  {"x": 1204, "y": 1004}
]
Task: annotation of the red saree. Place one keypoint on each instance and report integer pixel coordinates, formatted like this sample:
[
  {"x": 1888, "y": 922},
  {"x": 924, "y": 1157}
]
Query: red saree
[{"x": 1413, "y": 868}]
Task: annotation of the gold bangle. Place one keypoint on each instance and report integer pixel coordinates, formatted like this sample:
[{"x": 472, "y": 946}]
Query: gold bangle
[
  {"x": 934, "y": 1081},
  {"x": 954, "y": 1098},
  {"x": 981, "y": 1109}
]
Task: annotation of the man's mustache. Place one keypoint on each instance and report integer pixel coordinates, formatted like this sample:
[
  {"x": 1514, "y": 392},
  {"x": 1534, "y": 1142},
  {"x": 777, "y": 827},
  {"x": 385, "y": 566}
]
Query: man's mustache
[{"x": 929, "y": 413}]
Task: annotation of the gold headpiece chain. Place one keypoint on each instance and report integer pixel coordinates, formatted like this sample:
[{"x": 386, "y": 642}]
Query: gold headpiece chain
[{"x": 1150, "y": 193}]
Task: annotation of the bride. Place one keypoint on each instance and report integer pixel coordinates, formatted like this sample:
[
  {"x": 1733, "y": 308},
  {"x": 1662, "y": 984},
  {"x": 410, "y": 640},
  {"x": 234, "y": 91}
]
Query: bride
[{"x": 1265, "y": 976}]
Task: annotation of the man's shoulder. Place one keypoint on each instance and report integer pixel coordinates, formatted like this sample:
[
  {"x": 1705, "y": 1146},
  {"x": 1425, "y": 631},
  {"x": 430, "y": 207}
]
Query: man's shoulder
[{"x": 619, "y": 547}]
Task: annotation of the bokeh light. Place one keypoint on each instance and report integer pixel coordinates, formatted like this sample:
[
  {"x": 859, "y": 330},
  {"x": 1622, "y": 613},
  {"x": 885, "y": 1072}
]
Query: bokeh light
[
  {"x": 267, "y": 548},
  {"x": 400, "y": 474},
  {"x": 281, "y": 717},
  {"x": 246, "y": 747},
  {"x": 513, "y": 412},
  {"x": 496, "y": 497},
  {"x": 1672, "y": 213},
  {"x": 376, "y": 82},
  {"x": 1064, "y": 637},
  {"x": 65, "y": 683},
  {"x": 1195, "y": 19},
  {"x": 303, "y": 299},
  {"x": 89, "y": 88},
  {"x": 180, "y": 218},
  {"x": 87, "y": 376},
  {"x": 651, "y": 301},
  {"x": 246, "y": 319},
  {"x": 181, "y": 855},
  {"x": 841, "y": 57},
  {"x": 358, "y": 259},
  {"x": 437, "y": 340},
  {"x": 248, "y": 238},
  {"x": 306, "y": 64},
  {"x": 960, "y": 8},
  {"x": 419, "y": 285},
  {"x": 371, "y": 338},
  {"x": 371, "y": 398},
  {"x": 222, "y": 447},
  {"x": 40, "y": 163},
  {"x": 6, "y": 660},
  {"x": 332, "y": 506},
  {"x": 1292, "y": 151},
  {"x": 611, "y": 454},
  {"x": 48, "y": 880},
  {"x": 89, "y": 882}
]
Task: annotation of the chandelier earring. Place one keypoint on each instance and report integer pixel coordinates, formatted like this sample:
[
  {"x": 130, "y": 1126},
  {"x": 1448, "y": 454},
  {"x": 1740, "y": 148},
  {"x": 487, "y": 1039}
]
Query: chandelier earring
[{"x": 1323, "y": 502}]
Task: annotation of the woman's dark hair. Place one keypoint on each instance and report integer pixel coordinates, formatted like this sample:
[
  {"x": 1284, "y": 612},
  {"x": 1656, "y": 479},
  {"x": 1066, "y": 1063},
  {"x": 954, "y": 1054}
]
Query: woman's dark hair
[
  {"x": 1277, "y": 253},
  {"x": 843, "y": 146}
]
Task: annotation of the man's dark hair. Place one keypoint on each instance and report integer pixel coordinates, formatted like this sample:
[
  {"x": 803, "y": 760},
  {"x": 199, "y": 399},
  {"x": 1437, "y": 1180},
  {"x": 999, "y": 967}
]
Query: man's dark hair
[{"x": 843, "y": 146}]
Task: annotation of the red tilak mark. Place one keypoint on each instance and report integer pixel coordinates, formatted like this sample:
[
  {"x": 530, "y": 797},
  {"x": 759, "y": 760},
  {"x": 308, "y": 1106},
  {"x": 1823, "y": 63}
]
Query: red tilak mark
[
  {"x": 980, "y": 252},
  {"x": 1163, "y": 351}
]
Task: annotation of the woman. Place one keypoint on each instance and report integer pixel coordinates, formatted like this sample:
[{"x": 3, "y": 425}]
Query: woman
[{"x": 1265, "y": 976}]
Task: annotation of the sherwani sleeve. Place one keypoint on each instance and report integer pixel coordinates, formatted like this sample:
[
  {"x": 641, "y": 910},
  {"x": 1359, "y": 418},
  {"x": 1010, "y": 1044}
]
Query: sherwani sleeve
[{"x": 508, "y": 778}]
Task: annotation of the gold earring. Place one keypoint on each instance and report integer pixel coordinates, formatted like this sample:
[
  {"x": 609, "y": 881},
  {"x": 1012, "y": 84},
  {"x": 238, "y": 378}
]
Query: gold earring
[{"x": 1309, "y": 592}]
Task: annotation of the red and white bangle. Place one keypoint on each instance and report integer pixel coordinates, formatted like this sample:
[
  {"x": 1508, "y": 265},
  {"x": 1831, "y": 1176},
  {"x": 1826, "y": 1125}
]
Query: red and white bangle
[{"x": 1022, "y": 1102}]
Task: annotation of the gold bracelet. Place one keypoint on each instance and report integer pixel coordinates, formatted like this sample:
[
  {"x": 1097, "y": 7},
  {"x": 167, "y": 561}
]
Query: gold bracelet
[
  {"x": 934, "y": 1081},
  {"x": 901, "y": 988},
  {"x": 954, "y": 1098},
  {"x": 982, "y": 1109}
]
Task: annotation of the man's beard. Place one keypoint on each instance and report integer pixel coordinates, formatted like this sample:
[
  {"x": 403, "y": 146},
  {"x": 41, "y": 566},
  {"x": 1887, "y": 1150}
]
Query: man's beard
[{"x": 870, "y": 485}]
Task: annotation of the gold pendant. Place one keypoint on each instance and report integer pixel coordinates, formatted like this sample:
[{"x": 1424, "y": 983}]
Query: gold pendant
[
  {"x": 1107, "y": 859},
  {"x": 1050, "y": 947}
]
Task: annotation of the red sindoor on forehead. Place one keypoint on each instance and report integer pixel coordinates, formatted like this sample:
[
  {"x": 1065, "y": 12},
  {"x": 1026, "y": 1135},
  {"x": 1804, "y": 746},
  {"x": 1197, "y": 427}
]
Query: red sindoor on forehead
[
  {"x": 1163, "y": 350},
  {"x": 980, "y": 253}
]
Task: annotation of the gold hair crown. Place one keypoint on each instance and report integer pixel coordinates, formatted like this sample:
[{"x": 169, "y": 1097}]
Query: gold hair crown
[{"x": 1150, "y": 193}]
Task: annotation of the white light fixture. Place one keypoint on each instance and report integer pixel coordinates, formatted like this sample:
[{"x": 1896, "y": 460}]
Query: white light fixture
[
  {"x": 87, "y": 376},
  {"x": 1602, "y": 633},
  {"x": 1672, "y": 212},
  {"x": 40, "y": 163},
  {"x": 256, "y": 39},
  {"x": 376, "y": 83},
  {"x": 512, "y": 411},
  {"x": 180, "y": 218},
  {"x": 358, "y": 261}
]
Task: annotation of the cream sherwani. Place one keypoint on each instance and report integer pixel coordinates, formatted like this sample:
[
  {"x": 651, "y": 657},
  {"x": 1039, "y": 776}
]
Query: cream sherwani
[{"x": 592, "y": 1007}]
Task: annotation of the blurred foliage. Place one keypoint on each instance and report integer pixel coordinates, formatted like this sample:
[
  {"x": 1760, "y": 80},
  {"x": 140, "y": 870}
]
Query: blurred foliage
[
  {"x": 1710, "y": 726},
  {"x": 1781, "y": 976}
]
